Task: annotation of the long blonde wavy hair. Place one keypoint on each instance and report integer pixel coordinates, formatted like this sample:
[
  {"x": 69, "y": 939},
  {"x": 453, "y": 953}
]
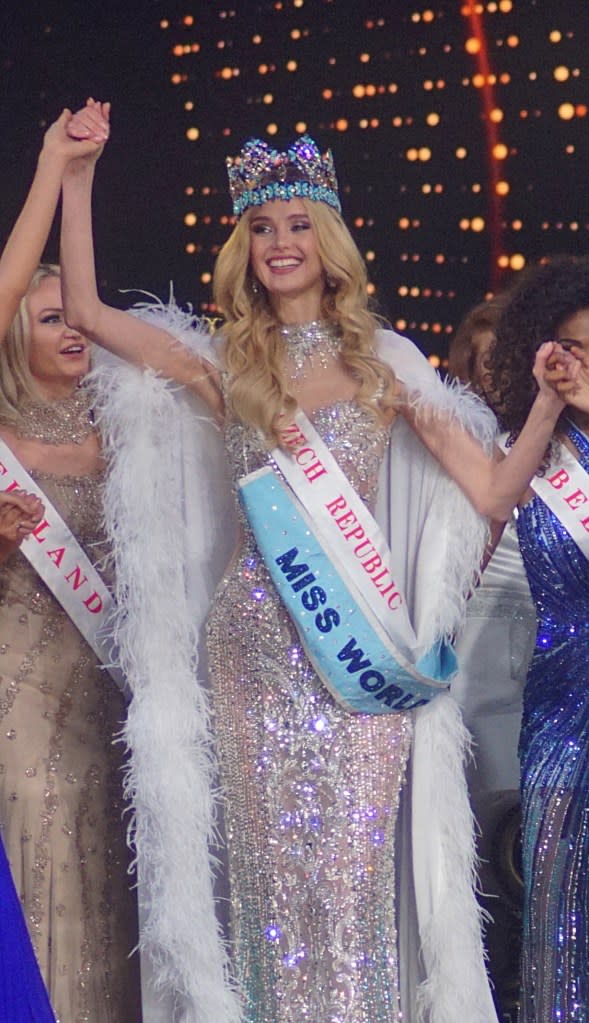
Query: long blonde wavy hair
[
  {"x": 17, "y": 383},
  {"x": 254, "y": 353}
]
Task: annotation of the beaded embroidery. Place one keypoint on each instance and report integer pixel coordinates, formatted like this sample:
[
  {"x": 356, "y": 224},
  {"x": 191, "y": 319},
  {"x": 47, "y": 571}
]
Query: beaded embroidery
[
  {"x": 67, "y": 421},
  {"x": 554, "y": 753},
  {"x": 312, "y": 792},
  {"x": 309, "y": 345}
]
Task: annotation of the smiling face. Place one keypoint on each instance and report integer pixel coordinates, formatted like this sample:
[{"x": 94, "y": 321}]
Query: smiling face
[
  {"x": 58, "y": 355},
  {"x": 284, "y": 258}
]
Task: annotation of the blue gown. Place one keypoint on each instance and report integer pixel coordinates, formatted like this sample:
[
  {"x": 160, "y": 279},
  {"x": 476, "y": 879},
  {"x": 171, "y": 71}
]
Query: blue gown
[
  {"x": 554, "y": 754},
  {"x": 22, "y": 993}
]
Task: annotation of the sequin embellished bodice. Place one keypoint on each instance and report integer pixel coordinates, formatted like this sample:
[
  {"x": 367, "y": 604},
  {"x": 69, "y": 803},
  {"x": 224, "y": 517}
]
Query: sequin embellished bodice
[
  {"x": 350, "y": 432},
  {"x": 557, "y": 571},
  {"x": 61, "y": 801},
  {"x": 554, "y": 755},
  {"x": 311, "y": 791}
]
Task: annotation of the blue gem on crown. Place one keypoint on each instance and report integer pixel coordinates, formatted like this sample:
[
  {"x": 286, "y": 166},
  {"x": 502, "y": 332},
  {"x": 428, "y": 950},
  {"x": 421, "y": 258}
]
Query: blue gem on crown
[{"x": 261, "y": 174}]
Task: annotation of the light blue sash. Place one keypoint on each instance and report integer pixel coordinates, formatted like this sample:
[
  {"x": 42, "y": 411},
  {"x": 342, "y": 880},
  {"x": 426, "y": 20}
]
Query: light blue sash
[{"x": 345, "y": 642}]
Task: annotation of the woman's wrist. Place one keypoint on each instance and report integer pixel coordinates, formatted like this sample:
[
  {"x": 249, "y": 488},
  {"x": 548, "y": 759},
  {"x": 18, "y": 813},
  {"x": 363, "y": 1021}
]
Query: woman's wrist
[
  {"x": 79, "y": 170},
  {"x": 548, "y": 406},
  {"x": 51, "y": 159}
]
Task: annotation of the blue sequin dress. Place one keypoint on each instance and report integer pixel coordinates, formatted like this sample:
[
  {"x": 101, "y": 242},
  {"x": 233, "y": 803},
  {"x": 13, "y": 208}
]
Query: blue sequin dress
[
  {"x": 23, "y": 997},
  {"x": 554, "y": 753}
]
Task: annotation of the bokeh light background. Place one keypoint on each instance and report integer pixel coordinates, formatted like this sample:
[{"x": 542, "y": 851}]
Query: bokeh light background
[{"x": 459, "y": 130}]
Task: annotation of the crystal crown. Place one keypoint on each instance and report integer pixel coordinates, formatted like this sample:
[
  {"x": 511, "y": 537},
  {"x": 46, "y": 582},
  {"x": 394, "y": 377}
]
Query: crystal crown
[{"x": 260, "y": 174}]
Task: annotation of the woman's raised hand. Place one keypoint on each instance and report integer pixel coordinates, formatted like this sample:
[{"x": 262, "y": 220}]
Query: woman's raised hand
[
  {"x": 91, "y": 123},
  {"x": 20, "y": 514},
  {"x": 60, "y": 143},
  {"x": 573, "y": 388},
  {"x": 556, "y": 371}
]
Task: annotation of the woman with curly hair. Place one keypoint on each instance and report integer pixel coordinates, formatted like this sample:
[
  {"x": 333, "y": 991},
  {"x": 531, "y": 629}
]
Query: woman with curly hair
[
  {"x": 551, "y": 301},
  {"x": 339, "y": 909}
]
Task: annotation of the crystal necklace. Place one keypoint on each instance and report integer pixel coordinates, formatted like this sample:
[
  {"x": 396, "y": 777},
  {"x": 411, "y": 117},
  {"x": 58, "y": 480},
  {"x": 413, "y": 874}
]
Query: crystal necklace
[
  {"x": 309, "y": 345},
  {"x": 66, "y": 421}
]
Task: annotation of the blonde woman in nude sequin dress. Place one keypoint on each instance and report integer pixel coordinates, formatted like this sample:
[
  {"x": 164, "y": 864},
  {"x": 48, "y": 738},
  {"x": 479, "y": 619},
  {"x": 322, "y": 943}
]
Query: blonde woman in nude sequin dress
[
  {"x": 60, "y": 774},
  {"x": 311, "y": 792}
]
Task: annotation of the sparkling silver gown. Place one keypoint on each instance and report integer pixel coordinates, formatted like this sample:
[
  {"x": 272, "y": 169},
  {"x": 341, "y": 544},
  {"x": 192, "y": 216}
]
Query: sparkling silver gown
[{"x": 311, "y": 792}]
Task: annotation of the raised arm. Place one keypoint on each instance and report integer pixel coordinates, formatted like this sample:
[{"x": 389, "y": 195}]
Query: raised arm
[
  {"x": 26, "y": 242},
  {"x": 120, "y": 332},
  {"x": 493, "y": 485}
]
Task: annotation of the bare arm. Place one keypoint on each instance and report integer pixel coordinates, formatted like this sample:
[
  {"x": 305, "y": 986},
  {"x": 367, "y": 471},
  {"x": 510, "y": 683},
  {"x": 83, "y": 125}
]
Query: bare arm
[
  {"x": 493, "y": 485},
  {"x": 28, "y": 237},
  {"x": 120, "y": 332}
]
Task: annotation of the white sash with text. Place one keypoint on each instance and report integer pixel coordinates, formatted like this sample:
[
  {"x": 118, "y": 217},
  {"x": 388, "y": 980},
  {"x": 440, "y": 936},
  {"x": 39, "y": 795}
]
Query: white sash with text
[
  {"x": 56, "y": 555},
  {"x": 564, "y": 488},
  {"x": 347, "y": 528}
]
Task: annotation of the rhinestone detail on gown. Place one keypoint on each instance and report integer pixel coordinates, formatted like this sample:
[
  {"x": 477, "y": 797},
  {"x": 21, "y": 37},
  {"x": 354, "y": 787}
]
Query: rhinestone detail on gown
[
  {"x": 61, "y": 800},
  {"x": 311, "y": 792},
  {"x": 554, "y": 752}
]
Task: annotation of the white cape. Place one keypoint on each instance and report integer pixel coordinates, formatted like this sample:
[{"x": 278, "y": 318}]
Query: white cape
[{"x": 169, "y": 515}]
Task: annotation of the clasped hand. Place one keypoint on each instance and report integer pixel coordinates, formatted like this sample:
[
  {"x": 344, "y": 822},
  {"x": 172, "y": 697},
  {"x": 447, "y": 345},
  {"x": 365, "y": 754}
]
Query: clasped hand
[
  {"x": 91, "y": 123},
  {"x": 20, "y": 514},
  {"x": 567, "y": 372}
]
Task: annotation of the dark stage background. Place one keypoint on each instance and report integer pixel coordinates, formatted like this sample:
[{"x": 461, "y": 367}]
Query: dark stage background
[{"x": 459, "y": 131}]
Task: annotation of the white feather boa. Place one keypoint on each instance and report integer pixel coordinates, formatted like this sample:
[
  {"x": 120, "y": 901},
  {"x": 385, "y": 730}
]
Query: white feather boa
[
  {"x": 167, "y": 514},
  {"x": 454, "y": 984},
  {"x": 171, "y": 778},
  {"x": 444, "y": 978}
]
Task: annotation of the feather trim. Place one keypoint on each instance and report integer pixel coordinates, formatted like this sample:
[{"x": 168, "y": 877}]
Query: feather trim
[
  {"x": 445, "y": 539},
  {"x": 457, "y": 540},
  {"x": 170, "y": 780},
  {"x": 450, "y": 918},
  {"x": 168, "y": 730},
  {"x": 465, "y": 531},
  {"x": 194, "y": 331}
]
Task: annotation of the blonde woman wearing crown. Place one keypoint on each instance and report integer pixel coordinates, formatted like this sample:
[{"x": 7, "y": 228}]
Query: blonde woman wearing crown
[{"x": 348, "y": 833}]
